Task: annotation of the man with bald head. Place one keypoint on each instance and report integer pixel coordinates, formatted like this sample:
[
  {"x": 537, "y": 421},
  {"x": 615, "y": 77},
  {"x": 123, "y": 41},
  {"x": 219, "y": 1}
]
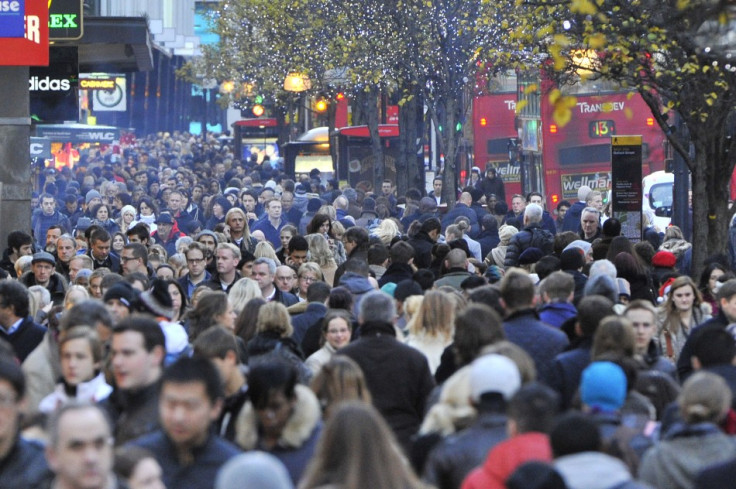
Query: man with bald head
[
  {"x": 456, "y": 263},
  {"x": 462, "y": 208}
]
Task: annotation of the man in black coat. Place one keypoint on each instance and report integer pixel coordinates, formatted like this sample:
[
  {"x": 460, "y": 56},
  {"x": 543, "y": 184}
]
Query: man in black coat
[
  {"x": 424, "y": 240},
  {"x": 402, "y": 256},
  {"x": 532, "y": 236},
  {"x": 462, "y": 208},
  {"x": 16, "y": 326},
  {"x": 492, "y": 184},
  {"x": 397, "y": 375}
]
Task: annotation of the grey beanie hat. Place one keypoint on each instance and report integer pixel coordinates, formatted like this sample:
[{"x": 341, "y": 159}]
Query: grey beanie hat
[{"x": 253, "y": 470}]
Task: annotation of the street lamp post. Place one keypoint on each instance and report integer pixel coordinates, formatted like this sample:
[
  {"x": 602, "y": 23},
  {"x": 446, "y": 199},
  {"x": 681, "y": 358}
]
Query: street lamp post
[{"x": 296, "y": 83}]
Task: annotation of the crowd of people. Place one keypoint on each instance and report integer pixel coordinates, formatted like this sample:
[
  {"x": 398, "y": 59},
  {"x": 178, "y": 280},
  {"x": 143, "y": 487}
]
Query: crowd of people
[{"x": 179, "y": 318}]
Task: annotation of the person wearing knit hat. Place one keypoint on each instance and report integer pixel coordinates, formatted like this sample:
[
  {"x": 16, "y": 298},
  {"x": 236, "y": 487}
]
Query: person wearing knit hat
[
  {"x": 603, "y": 387},
  {"x": 256, "y": 470},
  {"x": 92, "y": 198},
  {"x": 157, "y": 302},
  {"x": 505, "y": 233},
  {"x": 120, "y": 299},
  {"x": 530, "y": 256}
]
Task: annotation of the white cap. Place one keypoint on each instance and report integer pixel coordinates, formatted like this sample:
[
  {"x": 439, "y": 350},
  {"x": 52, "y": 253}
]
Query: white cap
[{"x": 494, "y": 373}]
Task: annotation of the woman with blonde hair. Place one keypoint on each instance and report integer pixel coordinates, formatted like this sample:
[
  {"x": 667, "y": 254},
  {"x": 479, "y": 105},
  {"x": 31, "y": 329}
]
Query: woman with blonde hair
[
  {"x": 357, "y": 450},
  {"x": 241, "y": 292},
  {"x": 264, "y": 249},
  {"x": 308, "y": 273},
  {"x": 459, "y": 230},
  {"x": 432, "y": 327},
  {"x": 387, "y": 231},
  {"x": 127, "y": 216},
  {"x": 682, "y": 311},
  {"x": 273, "y": 331},
  {"x": 498, "y": 254},
  {"x": 339, "y": 380},
  {"x": 74, "y": 295},
  {"x": 320, "y": 254}
]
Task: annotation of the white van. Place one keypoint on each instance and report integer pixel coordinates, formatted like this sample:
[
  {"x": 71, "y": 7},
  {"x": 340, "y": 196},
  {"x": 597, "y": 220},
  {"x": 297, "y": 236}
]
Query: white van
[{"x": 657, "y": 190}]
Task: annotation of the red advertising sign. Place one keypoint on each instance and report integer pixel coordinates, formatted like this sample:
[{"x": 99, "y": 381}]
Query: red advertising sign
[{"x": 33, "y": 48}]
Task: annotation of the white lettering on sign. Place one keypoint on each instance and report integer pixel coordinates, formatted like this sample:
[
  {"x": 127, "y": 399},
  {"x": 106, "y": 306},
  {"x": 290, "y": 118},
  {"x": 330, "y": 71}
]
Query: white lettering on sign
[
  {"x": 9, "y": 6},
  {"x": 510, "y": 104},
  {"x": 33, "y": 32},
  {"x": 98, "y": 136},
  {"x": 48, "y": 84},
  {"x": 586, "y": 108}
]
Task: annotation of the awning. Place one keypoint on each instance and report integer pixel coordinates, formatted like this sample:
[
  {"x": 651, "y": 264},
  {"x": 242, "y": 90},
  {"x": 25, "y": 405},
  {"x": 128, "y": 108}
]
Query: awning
[{"x": 114, "y": 45}]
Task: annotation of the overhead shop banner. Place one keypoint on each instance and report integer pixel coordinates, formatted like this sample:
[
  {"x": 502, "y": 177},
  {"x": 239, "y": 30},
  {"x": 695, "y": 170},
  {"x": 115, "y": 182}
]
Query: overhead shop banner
[
  {"x": 626, "y": 189},
  {"x": 53, "y": 88},
  {"x": 78, "y": 133}
]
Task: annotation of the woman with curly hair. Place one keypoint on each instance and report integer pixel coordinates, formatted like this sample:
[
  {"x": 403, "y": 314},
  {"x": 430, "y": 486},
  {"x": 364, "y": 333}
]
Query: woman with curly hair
[{"x": 320, "y": 253}]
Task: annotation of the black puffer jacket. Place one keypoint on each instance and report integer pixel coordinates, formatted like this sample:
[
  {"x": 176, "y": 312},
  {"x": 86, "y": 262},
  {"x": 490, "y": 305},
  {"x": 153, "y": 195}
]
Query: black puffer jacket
[{"x": 532, "y": 236}]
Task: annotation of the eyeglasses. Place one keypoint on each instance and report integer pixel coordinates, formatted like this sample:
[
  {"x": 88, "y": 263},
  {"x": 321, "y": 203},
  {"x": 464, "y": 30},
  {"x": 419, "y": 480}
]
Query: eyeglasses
[
  {"x": 126, "y": 259},
  {"x": 308, "y": 279},
  {"x": 195, "y": 260}
]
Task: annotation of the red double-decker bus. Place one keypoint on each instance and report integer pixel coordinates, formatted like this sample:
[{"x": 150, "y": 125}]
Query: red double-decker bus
[{"x": 534, "y": 153}]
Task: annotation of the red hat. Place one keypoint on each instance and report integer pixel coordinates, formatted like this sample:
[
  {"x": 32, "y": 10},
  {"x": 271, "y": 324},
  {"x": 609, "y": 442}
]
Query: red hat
[{"x": 664, "y": 259}]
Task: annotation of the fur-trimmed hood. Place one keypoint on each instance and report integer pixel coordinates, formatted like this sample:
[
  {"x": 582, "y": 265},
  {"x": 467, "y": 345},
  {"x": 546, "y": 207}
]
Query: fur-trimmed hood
[
  {"x": 676, "y": 246},
  {"x": 305, "y": 418}
]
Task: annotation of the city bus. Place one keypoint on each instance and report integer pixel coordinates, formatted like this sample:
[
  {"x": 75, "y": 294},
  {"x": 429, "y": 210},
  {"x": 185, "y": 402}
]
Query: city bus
[{"x": 554, "y": 159}]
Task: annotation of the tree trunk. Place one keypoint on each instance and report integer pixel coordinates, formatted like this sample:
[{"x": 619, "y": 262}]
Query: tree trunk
[
  {"x": 449, "y": 183},
  {"x": 409, "y": 174},
  {"x": 371, "y": 112}
]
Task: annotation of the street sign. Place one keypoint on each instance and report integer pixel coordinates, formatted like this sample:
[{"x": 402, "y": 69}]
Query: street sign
[
  {"x": 66, "y": 21},
  {"x": 32, "y": 48},
  {"x": 626, "y": 163}
]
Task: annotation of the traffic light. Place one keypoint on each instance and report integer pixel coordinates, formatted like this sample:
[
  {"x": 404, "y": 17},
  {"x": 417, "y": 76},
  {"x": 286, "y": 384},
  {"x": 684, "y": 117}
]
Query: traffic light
[
  {"x": 320, "y": 105},
  {"x": 258, "y": 110}
]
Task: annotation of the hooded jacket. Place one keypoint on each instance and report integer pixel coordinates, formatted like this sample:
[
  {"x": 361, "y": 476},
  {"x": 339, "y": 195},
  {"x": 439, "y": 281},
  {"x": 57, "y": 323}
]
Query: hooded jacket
[
  {"x": 684, "y": 452},
  {"x": 506, "y": 457},
  {"x": 595, "y": 470},
  {"x": 298, "y": 439}
]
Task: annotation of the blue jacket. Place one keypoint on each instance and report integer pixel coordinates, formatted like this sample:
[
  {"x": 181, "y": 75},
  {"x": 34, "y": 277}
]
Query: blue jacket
[
  {"x": 462, "y": 210},
  {"x": 24, "y": 466},
  {"x": 556, "y": 313},
  {"x": 40, "y": 224},
  {"x": 568, "y": 369},
  {"x": 543, "y": 343},
  {"x": 273, "y": 234},
  {"x": 201, "y": 473},
  {"x": 315, "y": 312},
  {"x": 572, "y": 217}
]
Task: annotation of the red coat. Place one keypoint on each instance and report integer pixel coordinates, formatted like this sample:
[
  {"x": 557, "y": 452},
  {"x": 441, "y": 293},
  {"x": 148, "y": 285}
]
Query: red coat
[{"x": 504, "y": 459}]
